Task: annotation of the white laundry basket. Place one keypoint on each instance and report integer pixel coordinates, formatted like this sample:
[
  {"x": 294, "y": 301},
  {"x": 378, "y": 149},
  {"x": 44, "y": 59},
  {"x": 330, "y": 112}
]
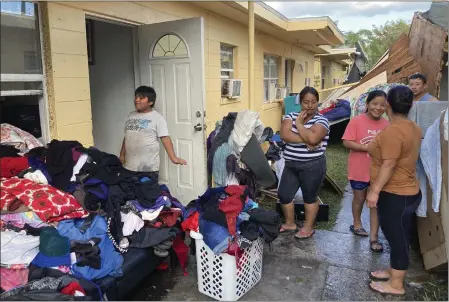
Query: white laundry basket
[{"x": 219, "y": 277}]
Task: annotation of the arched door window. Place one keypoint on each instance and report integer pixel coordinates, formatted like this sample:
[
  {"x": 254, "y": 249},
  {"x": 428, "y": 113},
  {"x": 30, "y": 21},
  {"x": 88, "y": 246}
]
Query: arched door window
[{"x": 170, "y": 45}]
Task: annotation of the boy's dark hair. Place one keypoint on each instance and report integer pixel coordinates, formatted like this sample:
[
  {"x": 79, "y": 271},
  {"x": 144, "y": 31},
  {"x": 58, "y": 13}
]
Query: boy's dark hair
[
  {"x": 400, "y": 99},
  {"x": 147, "y": 91},
  {"x": 418, "y": 76},
  {"x": 307, "y": 90}
]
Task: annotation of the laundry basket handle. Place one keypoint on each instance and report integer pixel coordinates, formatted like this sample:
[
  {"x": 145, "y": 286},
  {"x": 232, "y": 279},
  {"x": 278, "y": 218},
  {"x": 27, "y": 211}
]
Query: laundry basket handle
[{"x": 196, "y": 235}]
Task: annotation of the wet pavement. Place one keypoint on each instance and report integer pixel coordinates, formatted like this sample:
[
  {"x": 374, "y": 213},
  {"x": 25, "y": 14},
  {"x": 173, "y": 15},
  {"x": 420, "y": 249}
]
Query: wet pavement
[{"x": 332, "y": 265}]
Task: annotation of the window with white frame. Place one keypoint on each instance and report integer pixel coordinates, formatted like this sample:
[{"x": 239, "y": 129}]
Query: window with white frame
[
  {"x": 227, "y": 61},
  {"x": 289, "y": 66},
  {"x": 22, "y": 97},
  {"x": 306, "y": 72},
  {"x": 270, "y": 76}
]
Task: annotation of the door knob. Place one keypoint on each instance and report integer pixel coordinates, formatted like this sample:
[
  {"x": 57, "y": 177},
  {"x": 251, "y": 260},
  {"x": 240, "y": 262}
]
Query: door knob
[{"x": 198, "y": 127}]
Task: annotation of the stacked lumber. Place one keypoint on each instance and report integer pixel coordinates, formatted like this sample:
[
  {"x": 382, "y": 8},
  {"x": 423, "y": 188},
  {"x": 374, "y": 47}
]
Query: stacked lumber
[
  {"x": 423, "y": 50},
  {"x": 399, "y": 65},
  {"x": 428, "y": 45}
]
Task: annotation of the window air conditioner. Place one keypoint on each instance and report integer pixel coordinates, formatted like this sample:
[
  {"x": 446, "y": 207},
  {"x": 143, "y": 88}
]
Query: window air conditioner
[
  {"x": 231, "y": 88},
  {"x": 272, "y": 92},
  {"x": 281, "y": 93}
]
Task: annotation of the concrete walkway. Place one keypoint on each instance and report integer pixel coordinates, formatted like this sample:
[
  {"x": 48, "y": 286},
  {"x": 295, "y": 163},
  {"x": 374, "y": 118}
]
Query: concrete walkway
[{"x": 332, "y": 265}]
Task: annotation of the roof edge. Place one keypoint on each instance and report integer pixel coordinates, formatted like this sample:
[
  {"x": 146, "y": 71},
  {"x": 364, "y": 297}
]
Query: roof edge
[
  {"x": 272, "y": 10},
  {"x": 327, "y": 19}
]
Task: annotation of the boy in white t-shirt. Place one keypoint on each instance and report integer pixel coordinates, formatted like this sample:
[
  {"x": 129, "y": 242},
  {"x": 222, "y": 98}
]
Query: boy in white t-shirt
[{"x": 143, "y": 129}]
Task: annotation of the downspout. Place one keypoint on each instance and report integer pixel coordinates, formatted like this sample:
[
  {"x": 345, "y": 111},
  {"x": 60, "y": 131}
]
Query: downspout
[{"x": 251, "y": 54}]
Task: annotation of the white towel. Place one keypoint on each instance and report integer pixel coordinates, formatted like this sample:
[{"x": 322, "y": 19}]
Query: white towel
[
  {"x": 18, "y": 248},
  {"x": 131, "y": 223},
  {"x": 79, "y": 164},
  {"x": 151, "y": 215},
  {"x": 246, "y": 124},
  {"x": 36, "y": 176}
]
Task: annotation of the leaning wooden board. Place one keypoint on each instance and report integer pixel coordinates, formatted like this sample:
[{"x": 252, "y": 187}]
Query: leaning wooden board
[{"x": 323, "y": 212}]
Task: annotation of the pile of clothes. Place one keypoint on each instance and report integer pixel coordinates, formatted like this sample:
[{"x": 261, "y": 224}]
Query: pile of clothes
[
  {"x": 237, "y": 135},
  {"x": 73, "y": 212},
  {"x": 337, "y": 110},
  {"x": 229, "y": 220}
]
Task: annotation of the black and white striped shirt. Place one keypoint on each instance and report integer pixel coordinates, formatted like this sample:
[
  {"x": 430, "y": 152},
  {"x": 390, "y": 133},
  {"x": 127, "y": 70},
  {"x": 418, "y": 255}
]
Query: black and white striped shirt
[{"x": 299, "y": 152}]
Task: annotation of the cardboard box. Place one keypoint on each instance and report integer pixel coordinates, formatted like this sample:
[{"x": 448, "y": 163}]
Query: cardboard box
[{"x": 434, "y": 230}]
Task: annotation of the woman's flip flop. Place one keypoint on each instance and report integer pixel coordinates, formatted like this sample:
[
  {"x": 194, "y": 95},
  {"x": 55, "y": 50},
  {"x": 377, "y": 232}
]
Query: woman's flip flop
[
  {"x": 374, "y": 278},
  {"x": 359, "y": 232},
  {"x": 304, "y": 235},
  {"x": 287, "y": 231},
  {"x": 378, "y": 250},
  {"x": 373, "y": 286}
]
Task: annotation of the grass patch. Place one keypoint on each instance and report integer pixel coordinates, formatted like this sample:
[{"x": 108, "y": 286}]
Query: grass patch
[
  {"x": 337, "y": 164},
  {"x": 337, "y": 167},
  {"x": 435, "y": 290}
]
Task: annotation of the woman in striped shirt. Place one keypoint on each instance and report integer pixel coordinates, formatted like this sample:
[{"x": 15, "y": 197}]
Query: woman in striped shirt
[{"x": 306, "y": 134}]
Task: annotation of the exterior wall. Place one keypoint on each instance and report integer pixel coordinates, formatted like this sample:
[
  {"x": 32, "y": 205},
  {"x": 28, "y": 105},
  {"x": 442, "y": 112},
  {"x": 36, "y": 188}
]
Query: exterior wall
[
  {"x": 334, "y": 70},
  {"x": 68, "y": 74}
]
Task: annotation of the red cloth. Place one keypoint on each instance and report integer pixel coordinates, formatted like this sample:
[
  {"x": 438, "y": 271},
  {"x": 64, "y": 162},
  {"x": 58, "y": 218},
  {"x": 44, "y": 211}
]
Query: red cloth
[
  {"x": 162, "y": 267},
  {"x": 235, "y": 250},
  {"x": 327, "y": 109},
  {"x": 232, "y": 206},
  {"x": 71, "y": 288},
  {"x": 191, "y": 223},
  {"x": 182, "y": 251},
  {"x": 169, "y": 218},
  {"x": 11, "y": 166},
  {"x": 49, "y": 203}
]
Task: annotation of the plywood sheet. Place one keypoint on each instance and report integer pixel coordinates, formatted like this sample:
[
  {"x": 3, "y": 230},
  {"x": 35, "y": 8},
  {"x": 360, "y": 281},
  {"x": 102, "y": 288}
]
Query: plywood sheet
[
  {"x": 435, "y": 258},
  {"x": 362, "y": 88},
  {"x": 396, "y": 52},
  {"x": 384, "y": 57},
  {"x": 427, "y": 42},
  {"x": 334, "y": 96}
]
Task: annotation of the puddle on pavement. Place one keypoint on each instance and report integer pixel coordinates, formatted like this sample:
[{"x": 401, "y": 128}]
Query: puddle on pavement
[{"x": 156, "y": 286}]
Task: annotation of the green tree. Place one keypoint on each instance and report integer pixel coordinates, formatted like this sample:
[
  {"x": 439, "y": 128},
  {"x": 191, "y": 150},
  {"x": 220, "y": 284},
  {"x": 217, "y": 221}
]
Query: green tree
[{"x": 377, "y": 40}]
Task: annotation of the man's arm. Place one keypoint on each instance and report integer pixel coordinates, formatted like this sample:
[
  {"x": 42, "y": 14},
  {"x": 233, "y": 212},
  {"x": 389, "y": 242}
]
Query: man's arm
[
  {"x": 168, "y": 145},
  {"x": 123, "y": 152}
]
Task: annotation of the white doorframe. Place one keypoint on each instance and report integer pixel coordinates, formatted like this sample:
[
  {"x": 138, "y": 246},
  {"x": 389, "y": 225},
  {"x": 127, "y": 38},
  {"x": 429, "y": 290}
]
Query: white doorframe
[
  {"x": 44, "y": 113},
  {"x": 137, "y": 80},
  {"x": 133, "y": 25},
  {"x": 189, "y": 144}
]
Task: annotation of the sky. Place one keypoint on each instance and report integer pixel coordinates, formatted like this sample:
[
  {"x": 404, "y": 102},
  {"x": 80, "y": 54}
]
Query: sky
[{"x": 352, "y": 16}]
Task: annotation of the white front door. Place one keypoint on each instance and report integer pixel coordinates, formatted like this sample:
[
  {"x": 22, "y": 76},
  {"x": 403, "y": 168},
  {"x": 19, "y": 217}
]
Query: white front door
[{"x": 171, "y": 57}]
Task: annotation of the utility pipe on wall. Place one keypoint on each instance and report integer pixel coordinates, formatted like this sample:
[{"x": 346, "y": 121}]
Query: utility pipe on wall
[{"x": 251, "y": 54}]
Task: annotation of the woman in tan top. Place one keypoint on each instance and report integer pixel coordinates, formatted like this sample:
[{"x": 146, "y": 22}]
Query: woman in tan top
[{"x": 394, "y": 187}]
